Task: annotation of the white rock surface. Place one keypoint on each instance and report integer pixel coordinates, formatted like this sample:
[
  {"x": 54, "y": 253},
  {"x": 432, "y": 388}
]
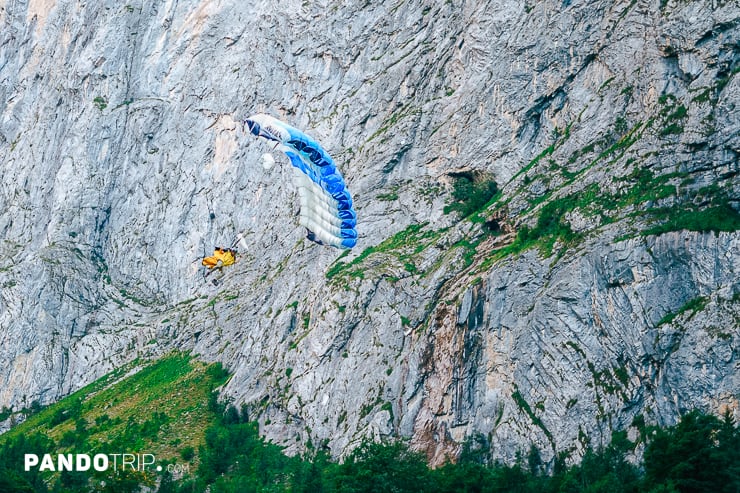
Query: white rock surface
[{"x": 124, "y": 161}]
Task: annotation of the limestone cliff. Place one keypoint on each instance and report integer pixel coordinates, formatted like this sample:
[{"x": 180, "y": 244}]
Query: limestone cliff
[{"x": 599, "y": 289}]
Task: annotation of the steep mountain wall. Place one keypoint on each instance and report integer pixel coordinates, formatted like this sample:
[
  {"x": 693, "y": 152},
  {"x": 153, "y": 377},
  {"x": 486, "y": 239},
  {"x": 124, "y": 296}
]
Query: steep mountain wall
[{"x": 598, "y": 290}]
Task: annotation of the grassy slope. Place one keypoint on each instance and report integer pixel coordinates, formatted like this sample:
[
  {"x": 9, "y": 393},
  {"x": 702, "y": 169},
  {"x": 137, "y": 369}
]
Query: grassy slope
[{"x": 158, "y": 408}]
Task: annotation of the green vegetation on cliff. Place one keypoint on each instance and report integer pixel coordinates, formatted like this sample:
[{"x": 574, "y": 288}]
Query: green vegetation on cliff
[
  {"x": 160, "y": 408},
  {"x": 168, "y": 408}
]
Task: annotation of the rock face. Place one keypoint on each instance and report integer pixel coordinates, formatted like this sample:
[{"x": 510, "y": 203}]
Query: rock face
[{"x": 600, "y": 289}]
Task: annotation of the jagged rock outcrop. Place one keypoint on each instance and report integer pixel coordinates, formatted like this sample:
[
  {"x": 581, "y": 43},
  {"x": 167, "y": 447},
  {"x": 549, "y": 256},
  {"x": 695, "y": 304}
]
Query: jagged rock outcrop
[{"x": 598, "y": 290}]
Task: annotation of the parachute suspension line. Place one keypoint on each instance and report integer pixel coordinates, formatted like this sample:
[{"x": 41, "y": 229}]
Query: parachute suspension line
[
  {"x": 238, "y": 240},
  {"x": 241, "y": 241}
]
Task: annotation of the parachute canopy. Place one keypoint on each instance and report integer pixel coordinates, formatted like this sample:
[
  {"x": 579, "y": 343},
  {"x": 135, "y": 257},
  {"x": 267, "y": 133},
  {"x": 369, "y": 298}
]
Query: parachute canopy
[{"x": 326, "y": 204}]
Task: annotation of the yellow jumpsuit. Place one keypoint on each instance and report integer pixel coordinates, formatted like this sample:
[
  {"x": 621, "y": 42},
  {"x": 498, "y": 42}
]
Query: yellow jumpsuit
[{"x": 221, "y": 257}]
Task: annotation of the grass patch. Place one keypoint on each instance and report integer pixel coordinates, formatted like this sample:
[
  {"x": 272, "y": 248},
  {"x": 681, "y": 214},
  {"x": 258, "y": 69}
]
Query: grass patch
[
  {"x": 721, "y": 217},
  {"x": 672, "y": 115},
  {"x": 551, "y": 226},
  {"x": 672, "y": 129},
  {"x": 549, "y": 150},
  {"x": 524, "y": 406},
  {"x": 640, "y": 186},
  {"x": 100, "y": 103},
  {"x": 694, "y": 306},
  {"x": 399, "y": 115},
  {"x": 471, "y": 196},
  {"x": 162, "y": 409},
  {"x": 404, "y": 246},
  {"x": 388, "y": 197}
]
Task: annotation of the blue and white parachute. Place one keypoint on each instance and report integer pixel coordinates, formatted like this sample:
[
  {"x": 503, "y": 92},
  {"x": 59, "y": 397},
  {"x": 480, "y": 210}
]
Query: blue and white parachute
[{"x": 326, "y": 204}]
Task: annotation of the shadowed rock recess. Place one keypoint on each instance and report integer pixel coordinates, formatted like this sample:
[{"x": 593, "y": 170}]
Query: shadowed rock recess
[{"x": 598, "y": 289}]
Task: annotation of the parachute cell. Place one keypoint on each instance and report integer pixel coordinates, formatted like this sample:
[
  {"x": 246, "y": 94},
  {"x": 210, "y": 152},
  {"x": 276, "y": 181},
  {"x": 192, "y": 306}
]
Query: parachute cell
[{"x": 326, "y": 204}]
